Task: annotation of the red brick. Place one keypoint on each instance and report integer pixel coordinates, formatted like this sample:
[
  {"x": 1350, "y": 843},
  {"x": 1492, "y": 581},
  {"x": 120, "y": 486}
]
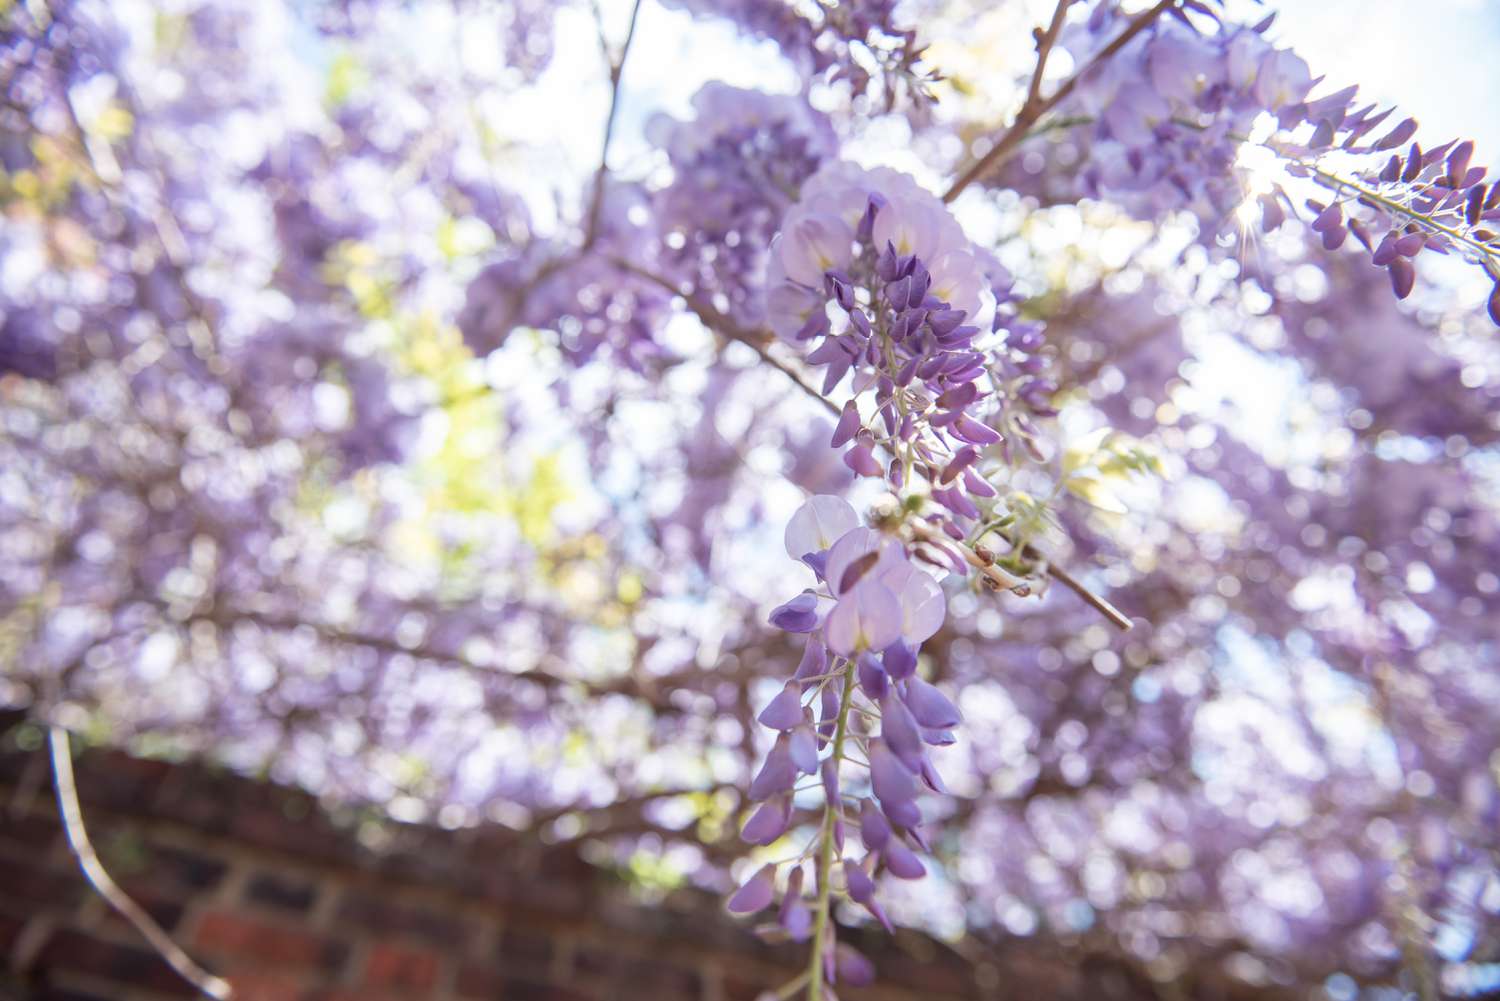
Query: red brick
[
  {"x": 378, "y": 914},
  {"x": 232, "y": 935},
  {"x": 402, "y": 967},
  {"x": 265, "y": 987},
  {"x": 476, "y": 981},
  {"x": 137, "y": 966},
  {"x": 637, "y": 975},
  {"x": 41, "y": 886},
  {"x": 282, "y": 892},
  {"x": 28, "y": 836},
  {"x": 183, "y": 869}
]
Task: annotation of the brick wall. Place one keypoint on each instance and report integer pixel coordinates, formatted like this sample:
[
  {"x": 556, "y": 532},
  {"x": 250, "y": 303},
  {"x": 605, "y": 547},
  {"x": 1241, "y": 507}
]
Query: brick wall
[{"x": 289, "y": 902}]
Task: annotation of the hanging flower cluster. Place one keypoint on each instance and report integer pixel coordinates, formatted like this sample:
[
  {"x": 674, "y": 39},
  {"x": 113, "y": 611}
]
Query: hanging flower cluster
[
  {"x": 737, "y": 167},
  {"x": 1171, "y": 112},
  {"x": 1396, "y": 201},
  {"x": 857, "y": 706},
  {"x": 874, "y": 278}
]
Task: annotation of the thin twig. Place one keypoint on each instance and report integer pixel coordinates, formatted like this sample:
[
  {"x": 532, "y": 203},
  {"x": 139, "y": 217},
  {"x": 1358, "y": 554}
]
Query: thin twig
[
  {"x": 1116, "y": 617},
  {"x": 616, "y": 73},
  {"x": 1036, "y": 106},
  {"x": 93, "y": 869}
]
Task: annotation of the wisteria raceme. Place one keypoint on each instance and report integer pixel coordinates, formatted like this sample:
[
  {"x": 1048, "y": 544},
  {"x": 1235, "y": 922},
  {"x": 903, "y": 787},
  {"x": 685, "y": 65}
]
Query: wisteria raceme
[
  {"x": 1163, "y": 120},
  {"x": 587, "y": 295},
  {"x": 878, "y": 272},
  {"x": 1164, "y": 124},
  {"x": 737, "y": 165},
  {"x": 865, "y": 624}
]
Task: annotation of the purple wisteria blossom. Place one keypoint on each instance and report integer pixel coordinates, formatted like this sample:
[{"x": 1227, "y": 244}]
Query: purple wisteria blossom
[{"x": 867, "y": 620}]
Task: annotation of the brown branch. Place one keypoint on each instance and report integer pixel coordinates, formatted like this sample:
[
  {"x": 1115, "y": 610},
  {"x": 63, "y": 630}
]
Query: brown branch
[
  {"x": 1116, "y": 618},
  {"x": 99, "y": 878},
  {"x": 649, "y": 689},
  {"x": 1035, "y": 105},
  {"x": 616, "y": 72},
  {"x": 716, "y": 321}
]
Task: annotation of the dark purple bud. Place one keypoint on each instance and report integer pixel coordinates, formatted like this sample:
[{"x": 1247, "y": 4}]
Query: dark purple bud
[
  {"x": 843, "y": 294},
  {"x": 976, "y": 485},
  {"x": 800, "y": 615},
  {"x": 1330, "y": 218},
  {"x": 874, "y": 829},
  {"x": 769, "y": 822},
  {"x": 1403, "y": 277},
  {"x": 854, "y": 968},
  {"x": 974, "y": 432},
  {"x": 1334, "y": 238},
  {"x": 959, "y": 397},
  {"x": 1360, "y": 233},
  {"x": 778, "y": 774},
  {"x": 902, "y": 861},
  {"x": 892, "y": 782},
  {"x": 872, "y": 677},
  {"x": 784, "y": 712},
  {"x": 1411, "y": 244},
  {"x": 847, "y": 426},
  {"x": 945, "y": 321},
  {"x": 930, "y": 706},
  {"x": 900, "y": 660},
  {"x": 888, "y": 267},
  {"x": 814, "y": 660},
  {"x": 960, "y": 462},
  {"x": 832, "y": 350},
  {"x": 1413, "y": 164},
  {"x": 919, "y": 282},
  {"x": 907, "y": 371},
  {"x": 1385, "y": 253},
  {"x": 1494, "y": 305},
  {"x": 828, "y": 713},
  {"x": 802, "y": 748},
  {"x": 1392, "y": 171},
  {"x": 815, "y": 326},
  {"x": 795, "y": 916},
  {"x": 861, "y": 321},
  {"x": 756, "y": 893},
  {"x": 898, "y": 292},
  {"x": 866, "y": 227},
  {"x": 956, "y": 502},
  {"x": 830, "y": 775},
  {"x": 905, "y": 814},
  {"x": 1474, "y": 207},
  {"x": 861, "y": 886},
  {"x": 1398, "y": 135},
  {"x": 862, "y": 460},
  {"x": 898, "y": 729},
  {"x": 1458, "y": 162}
]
